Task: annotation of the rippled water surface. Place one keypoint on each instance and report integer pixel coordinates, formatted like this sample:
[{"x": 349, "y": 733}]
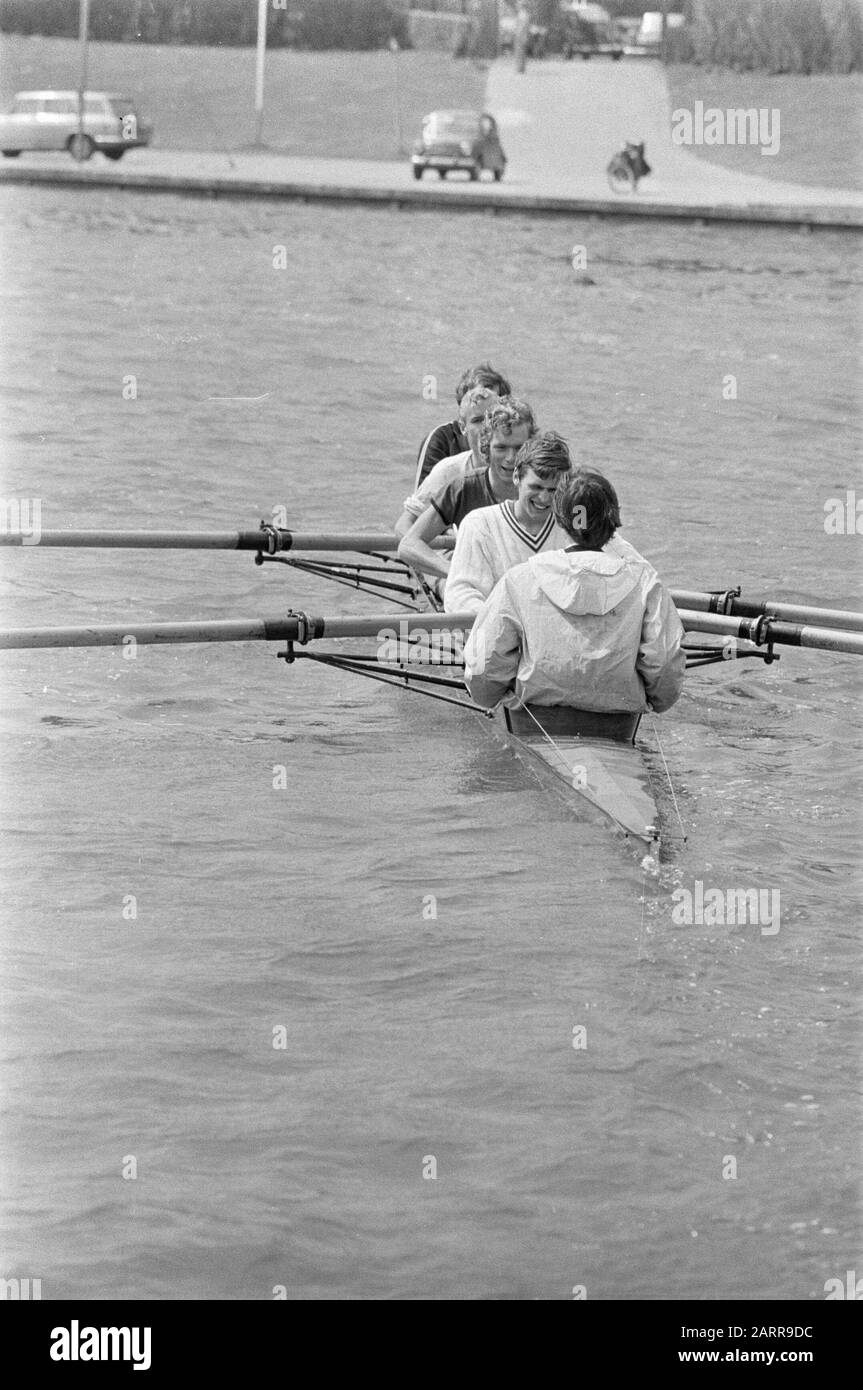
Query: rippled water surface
[{"x": 306, "y": 909}]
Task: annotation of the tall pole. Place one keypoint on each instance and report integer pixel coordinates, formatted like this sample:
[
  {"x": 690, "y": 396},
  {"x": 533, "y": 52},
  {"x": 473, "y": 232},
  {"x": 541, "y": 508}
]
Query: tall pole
[
  {"x": 522, "y": 35},
  {"x": 83, "y": 27},
  {"x": 665, "y": 31},
  {"x": 259, "y": 70},
  {"x": 395, "y": 49}
]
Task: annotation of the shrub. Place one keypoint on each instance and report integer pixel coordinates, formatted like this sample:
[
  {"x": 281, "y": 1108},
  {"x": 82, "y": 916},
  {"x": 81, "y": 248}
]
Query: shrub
[
  {"x": 775, "y": 35},
  {"x": 846, "y": 37},
  {"x": 351, "y": 24},
  {"x": 306, "y": 23}
]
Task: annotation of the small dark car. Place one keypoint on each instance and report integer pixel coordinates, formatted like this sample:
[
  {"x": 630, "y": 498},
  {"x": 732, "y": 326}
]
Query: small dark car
[{"x": 459, "y": 140}]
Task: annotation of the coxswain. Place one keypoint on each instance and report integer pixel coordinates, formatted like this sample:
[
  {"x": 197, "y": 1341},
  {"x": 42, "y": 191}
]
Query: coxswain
[{"x": 585, "y": 627}]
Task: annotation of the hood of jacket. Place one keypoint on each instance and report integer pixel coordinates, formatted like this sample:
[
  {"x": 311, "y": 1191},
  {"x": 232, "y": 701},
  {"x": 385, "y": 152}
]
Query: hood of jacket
[{"x": 585, "y": 581}]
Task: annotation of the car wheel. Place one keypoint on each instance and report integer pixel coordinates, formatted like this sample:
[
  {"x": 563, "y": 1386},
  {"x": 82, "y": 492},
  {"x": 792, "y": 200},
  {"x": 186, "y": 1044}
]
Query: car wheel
[
  {"x": 498, "y": 175},
  {"x": 11, "y": 154},
  {"x": 441, "y": 173},
  {"x": 474, "y": 173},
  {"x": 113, "y": 154},
  {"x": 418, "y": 171},
  {"x": 80, "y": 147}
]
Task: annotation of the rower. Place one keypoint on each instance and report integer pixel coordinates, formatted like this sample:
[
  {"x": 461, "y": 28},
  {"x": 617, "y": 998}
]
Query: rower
[
  {"x": 449, "y": 439},
  {"x": 474, "y": 407},
  {"x": 586, "y": 627},
  {"x": 505, "y": 429},
  {"x": 493, "y": 539}
]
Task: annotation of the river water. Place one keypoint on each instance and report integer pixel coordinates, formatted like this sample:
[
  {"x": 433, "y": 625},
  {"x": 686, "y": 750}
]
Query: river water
[{"x": 235, "y": 1035}]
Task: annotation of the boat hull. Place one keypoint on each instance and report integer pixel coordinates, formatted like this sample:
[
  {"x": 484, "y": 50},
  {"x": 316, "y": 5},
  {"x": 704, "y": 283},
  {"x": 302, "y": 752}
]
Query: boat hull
[{"x": 595, "y": 756}]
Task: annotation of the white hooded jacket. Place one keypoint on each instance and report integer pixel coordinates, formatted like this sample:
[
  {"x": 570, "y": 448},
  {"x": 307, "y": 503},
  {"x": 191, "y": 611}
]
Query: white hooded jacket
[{"x": 591, "y": 629}]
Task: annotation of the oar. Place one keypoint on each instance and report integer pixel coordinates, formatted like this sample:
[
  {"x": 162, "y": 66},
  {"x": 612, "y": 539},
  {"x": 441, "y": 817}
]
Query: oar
[
  {"x": 395, "y": 626},
  {"x": 274, "y": 540},
  {"x": 270, "y": 540},
  {"x": 765, "y": 630},
  {"x": 746, "y": 608},
  {"x": 294, "y": 628}
]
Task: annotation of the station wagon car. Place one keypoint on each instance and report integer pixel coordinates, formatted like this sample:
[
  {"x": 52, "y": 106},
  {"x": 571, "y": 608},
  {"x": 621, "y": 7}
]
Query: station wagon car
[
  {"x": 459, "y": 140},
  {"x": 50, "y": 121}
]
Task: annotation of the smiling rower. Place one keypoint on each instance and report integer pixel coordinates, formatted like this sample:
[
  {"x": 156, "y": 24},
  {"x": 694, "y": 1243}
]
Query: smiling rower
[
  {"x": 506, "y": 427},
  {"x": 493, "y": 539},
  {"x": 450, "y": 439},
  {"x": 473, "y": 408}
]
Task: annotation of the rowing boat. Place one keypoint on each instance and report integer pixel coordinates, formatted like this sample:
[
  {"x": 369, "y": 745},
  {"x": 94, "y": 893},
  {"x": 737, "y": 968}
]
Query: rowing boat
[
  {"x": 593, "y": 757},
  {"x": 596, "y": 756}
]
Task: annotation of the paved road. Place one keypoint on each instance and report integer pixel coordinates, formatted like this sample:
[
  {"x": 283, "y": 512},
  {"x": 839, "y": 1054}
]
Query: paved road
[{"x": 560, "y": 124}]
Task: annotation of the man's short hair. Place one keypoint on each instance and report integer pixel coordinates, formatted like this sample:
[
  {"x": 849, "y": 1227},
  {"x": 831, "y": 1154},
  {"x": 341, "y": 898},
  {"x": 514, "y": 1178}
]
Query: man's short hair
[
  {"x": 483, "y": 375},
  {"x": 547, "y": 453},
  {"x": 475, "y": 396},
  {"x": 586, "y": 507},
  {"x": 503, "y": 418}
]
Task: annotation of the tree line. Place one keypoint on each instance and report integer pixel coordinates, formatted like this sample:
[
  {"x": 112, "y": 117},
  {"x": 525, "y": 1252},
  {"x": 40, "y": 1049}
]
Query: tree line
[
  {"x": 749, "y": 35},
  {"x": 350, "y": 24},
  {"x": 773, "y": 36}
]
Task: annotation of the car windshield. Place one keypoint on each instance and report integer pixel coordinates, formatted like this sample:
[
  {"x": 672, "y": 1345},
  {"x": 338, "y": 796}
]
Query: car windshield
[{"x": 451, "y": 125}]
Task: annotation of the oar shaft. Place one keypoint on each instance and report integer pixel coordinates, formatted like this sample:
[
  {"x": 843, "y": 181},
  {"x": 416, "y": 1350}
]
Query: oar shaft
[
  {"x": 135, "y": 540},
  {"x": 394, "y": 627},
  {"x": 764, "y": 629},
  {"x": 114, "y": 635},
  {"x": 792, "y": 612},
  {"x": 276, "y": 540},
  {"x": 293, "y": 628}
]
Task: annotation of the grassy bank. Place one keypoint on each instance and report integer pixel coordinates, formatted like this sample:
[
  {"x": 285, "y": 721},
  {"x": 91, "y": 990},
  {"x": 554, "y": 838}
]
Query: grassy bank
[
  {"x": 819, "y": 122},
  {"x": 327, "y": 104}
]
